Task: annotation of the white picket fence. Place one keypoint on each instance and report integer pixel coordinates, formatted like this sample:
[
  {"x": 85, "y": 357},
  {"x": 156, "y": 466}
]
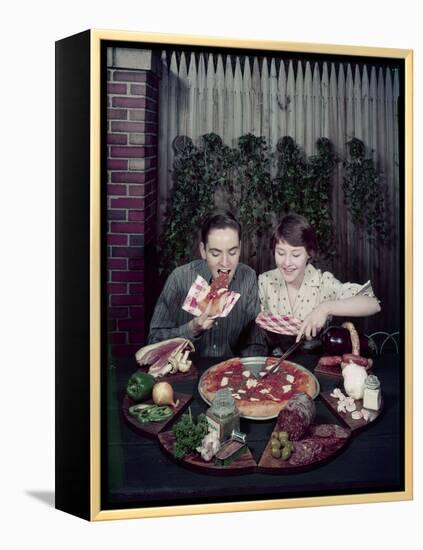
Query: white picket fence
[{"x": 270, "y": 97}]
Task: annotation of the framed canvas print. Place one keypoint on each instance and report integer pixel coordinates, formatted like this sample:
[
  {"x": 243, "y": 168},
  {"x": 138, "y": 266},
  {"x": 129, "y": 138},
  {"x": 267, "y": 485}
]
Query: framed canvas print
[{"x": 233, "y": 275}]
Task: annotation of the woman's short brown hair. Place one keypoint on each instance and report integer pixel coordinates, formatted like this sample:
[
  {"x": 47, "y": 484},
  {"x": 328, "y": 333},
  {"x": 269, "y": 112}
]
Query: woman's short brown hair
[{"x": 296, "y": 231}]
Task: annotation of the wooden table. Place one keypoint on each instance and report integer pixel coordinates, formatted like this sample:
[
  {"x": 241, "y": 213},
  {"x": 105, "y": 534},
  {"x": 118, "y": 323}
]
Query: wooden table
[{"x": 136, "y": 471}]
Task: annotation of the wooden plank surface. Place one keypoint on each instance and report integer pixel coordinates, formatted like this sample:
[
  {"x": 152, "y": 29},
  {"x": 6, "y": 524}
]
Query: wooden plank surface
[
  {"x": 244, "y": 464},
  {"x": 354, "y": 425},
  {"x": 151, "y": 429},
  {"x": 270, "y": 465}
]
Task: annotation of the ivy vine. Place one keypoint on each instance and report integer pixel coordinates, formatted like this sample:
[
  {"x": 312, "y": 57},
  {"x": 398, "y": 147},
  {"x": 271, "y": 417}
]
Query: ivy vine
[
  {"x": 318, "y": 194},
  {"x": 364, "y": 193},
  {"x": 254, "y": 184},
  {"x": 304, "y": 186},
  {"x": 240, "y": 178},
  {"x": 288, "y": 185}
]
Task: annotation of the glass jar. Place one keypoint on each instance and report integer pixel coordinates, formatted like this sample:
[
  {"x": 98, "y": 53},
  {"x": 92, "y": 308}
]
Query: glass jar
[
  {"x": 223, "y": 415},
  {"x": 372, "y": 395}
]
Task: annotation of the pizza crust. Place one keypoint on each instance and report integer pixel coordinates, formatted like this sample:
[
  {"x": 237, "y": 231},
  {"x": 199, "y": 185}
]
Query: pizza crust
[{"x": 260, "y": 409}]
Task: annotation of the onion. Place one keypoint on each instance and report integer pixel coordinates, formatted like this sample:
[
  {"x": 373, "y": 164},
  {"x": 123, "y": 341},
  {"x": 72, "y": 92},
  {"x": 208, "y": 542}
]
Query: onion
[{"x": 163, "y": 394}]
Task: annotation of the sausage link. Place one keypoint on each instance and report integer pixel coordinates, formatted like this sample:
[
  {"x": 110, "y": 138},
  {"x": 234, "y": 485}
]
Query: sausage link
[{"x": 355, "y": 340}]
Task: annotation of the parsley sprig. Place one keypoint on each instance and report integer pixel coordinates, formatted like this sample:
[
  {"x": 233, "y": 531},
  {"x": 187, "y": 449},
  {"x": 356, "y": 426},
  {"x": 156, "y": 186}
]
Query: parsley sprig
[{"x": 188, "y": 434}]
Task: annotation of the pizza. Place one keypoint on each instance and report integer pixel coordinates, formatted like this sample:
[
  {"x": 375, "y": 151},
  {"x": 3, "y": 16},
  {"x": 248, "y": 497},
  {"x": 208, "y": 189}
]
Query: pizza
[
  {"x": 257, "y": 397},
  {"x": 216, "y": 294}
]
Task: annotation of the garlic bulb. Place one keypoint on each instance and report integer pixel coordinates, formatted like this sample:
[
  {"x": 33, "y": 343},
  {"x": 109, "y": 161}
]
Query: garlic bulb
[{"x": 354, "y": 377}]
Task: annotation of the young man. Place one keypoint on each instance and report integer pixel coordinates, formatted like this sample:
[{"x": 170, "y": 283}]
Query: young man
[{"x": 236, "y": 334}]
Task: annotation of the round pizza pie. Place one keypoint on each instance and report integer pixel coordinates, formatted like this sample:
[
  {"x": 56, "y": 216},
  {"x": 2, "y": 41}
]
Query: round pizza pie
[{"x": 258, "y": 396}]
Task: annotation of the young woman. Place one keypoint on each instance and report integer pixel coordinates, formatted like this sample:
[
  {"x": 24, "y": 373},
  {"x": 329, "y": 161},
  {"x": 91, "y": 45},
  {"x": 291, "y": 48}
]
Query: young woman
[{"x": 297, "y": 289}]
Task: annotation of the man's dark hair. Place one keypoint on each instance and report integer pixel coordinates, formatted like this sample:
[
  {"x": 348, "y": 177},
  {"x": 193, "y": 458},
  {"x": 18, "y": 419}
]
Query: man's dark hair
[
  {"x": 296, "y": 231},
  {"x": 219, "y": 219}
]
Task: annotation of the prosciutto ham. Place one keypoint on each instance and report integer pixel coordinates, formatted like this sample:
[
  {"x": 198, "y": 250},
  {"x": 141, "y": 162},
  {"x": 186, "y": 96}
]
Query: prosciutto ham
[{"x": 166, "y": 357}]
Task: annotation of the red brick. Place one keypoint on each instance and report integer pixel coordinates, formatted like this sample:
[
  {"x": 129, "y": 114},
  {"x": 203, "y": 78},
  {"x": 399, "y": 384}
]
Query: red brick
[
  {"x": 129, "y": 76},
  {"x": 118, "y": 190},
  {"x": 127, "y": 152},
  {"x": 152, "y": 80},
  {"x": 136, "y": 240},
  {"x": 142, "y": 115},
  {"x": 116, "y": 288},
  {"x": 117, "y": 312},
  {"x": 111, "y": 325},
  {"x": 138, "y": 89},
  {"x": 129, "y": 324},
  {"x": 151, "y": 127},
  {"x": 151, "y": 104},
  {"x": 119, "y": 276},
  {"x": 150, "y": 151},
  {"x": 117, "y": 338},
  {"x": 117, "y": 114},
  {"x": 151, "y": 139},
  {"x": 117, "y": 139},
  {"x": 116, "y": 164},
  {"x": 136, "y": 263},
  {"x": 127, "y": 300},
  {"x": 136, "y": 216},
  {"x": 119, "y": 215},
  {"x": 113, "y": 263},
  {"x": 137, "y": 313},
  {"x": 125, "y": 126},
  {"x": 127, "y": 203},
  {"x": 128, "y": 177},
  {"x": 116, "y": 88},
  {"x": 126, "y": 252},
  {"x": 117, "y": 239},
  {"x": 129, "y": 102},
  {"x": 136, "y": 288},
  {"x": 136, "y": 190},
  {"x": 127, "y": 227}
]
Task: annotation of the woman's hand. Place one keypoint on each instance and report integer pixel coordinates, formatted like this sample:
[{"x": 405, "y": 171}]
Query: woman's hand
[
  {"x": 204, "y": 322},
  {"x": 314, "y": 322}
]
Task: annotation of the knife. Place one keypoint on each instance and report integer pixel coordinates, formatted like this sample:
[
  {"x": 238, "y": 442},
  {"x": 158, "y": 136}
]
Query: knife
[{"x": 287, "y": 353}]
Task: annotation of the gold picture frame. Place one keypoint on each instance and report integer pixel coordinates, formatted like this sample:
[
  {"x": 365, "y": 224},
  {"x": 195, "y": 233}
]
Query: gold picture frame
[{"x": 81, "y": 229}]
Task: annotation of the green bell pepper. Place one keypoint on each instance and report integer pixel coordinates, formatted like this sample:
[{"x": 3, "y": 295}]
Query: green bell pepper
[{"x": 140, "y": 386}]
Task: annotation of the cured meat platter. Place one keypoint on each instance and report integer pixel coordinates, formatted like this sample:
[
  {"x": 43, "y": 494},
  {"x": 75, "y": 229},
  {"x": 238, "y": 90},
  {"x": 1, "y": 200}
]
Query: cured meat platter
[
  {"x": 151, "y": 429},
  {"x": 310, "y": 451},
  {"x": 244, "y": 464}
]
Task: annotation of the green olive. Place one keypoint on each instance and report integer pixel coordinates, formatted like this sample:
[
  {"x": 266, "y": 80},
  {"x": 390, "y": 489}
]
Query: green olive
[
  {"x": 276, "y": 445},
  {"x": 276, "y": 453},
  {"x": 289, "y": 445},
  {"x": 286, "y": 453},
  {"x": 283, "y": 436}
]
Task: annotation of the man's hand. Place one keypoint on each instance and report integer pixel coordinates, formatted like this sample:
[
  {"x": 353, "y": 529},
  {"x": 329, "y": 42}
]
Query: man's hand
[
  {"x": 314, "y": 322},
  {"x": 204, "y": 322}
]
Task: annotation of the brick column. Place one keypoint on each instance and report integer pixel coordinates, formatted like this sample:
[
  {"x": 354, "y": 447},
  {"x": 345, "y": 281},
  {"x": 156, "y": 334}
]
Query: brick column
[{"x": 132, "y": 119}]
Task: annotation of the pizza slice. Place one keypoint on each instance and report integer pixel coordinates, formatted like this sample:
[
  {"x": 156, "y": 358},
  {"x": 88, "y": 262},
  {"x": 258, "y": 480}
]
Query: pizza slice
[{"x": 216, "y": 294}]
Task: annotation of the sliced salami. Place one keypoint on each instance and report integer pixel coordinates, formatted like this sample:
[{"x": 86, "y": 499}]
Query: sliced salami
[
  {"x": 296, "y": 416},
  {"x": 329, "y": 430},
  {"x": 306, "y": 451}
]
